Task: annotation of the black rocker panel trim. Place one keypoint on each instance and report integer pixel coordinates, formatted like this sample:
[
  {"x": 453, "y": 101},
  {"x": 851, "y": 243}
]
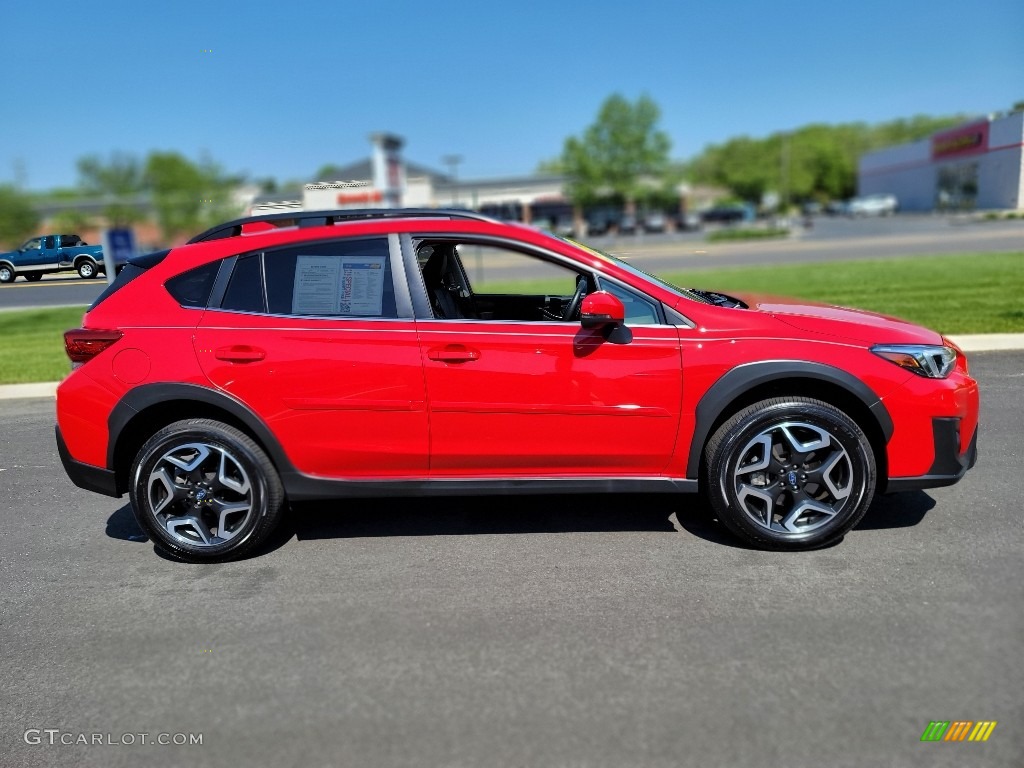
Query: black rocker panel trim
[
  {"x": 301, "y": 487},
  {"x": 746, "y": 377}
]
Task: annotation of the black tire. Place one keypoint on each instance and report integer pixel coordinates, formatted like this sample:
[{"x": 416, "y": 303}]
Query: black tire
[
  {"x": 832, "y": 481},
  {"x": 235, "y": 486},
  {"x": 87, "y": 269},
  {"x": 7, "y": 274},
  {"x": 34, "y": 277}
]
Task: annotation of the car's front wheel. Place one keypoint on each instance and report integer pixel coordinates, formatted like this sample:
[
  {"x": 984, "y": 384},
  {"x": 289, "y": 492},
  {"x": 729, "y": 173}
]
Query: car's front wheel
[
  {"x": 204, "y": 491},
  {"x": 790, "y": 473}
]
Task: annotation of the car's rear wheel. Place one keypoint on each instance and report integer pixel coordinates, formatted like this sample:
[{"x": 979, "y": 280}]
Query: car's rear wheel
[
  {"x": 790, "y": 473},
  {"x": 205, "y": 491},
  {"x": 86, "y": 269},
  {"x": 6, "y": 274}
]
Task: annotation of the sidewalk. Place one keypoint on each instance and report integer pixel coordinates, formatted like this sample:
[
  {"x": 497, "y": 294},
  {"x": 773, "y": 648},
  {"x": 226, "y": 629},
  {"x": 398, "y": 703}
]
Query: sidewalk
[{"x": 977, "y": 342}]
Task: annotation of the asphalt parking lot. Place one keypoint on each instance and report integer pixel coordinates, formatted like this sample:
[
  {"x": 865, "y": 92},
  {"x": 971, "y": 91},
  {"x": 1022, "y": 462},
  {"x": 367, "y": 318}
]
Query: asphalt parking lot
[{"x": 552, "y": 631}]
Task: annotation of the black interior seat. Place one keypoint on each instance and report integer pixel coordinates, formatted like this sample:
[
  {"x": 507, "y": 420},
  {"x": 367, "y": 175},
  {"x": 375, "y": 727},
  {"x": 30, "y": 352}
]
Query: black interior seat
[{"x": 437, "y": 279}]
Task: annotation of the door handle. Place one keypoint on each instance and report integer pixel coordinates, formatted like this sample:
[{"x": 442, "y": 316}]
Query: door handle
[
  {"x": 453, "y": 353},
  {"x": 240, "y": 353}
]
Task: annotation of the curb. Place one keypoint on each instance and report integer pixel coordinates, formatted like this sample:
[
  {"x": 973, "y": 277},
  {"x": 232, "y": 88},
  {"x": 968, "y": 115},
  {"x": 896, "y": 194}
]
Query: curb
[
  {"x": 976, "y": 342},
  {"x": 25, "y": 391}
]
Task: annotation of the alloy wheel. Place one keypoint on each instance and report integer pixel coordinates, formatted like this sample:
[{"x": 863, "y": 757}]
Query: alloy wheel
[
  {"x": 793, "y": 477},
  {"x": 200, "y": 494}
]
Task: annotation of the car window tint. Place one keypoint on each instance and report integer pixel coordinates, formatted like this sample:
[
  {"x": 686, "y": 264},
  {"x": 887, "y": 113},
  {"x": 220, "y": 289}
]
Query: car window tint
[
  {"x": 341, "y": 278},
  {"x": 192, "y": 288},
  {"x": 245, "y": 289},
  {"x": 639, "y": 310}
]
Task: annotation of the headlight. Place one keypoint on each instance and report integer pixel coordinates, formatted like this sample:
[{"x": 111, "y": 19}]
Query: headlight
[{"x": 923, "y": 359}]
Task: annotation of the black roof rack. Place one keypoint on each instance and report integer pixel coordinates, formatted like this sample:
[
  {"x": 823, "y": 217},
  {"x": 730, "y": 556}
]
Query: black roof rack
[{"x": 329, "y": 218}]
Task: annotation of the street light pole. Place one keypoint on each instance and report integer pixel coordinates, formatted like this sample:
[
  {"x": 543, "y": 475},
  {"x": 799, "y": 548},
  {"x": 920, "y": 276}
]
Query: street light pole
[{"x": 452, "y": 161}]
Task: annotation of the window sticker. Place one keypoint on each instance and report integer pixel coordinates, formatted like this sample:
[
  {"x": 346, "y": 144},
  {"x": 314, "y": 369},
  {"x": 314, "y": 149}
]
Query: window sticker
[
  {"x": 317, "y": 285},
  {"x": 362, "y": 285},
  {"x": 338, "y": 285}
]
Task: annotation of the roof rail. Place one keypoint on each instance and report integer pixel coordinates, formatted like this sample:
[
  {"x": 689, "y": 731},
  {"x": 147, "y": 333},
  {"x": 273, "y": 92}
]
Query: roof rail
[{"x": 329, "y": 218}]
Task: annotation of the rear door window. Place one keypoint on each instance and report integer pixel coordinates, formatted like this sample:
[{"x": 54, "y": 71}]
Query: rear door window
[{"x": 346, "y": 278}]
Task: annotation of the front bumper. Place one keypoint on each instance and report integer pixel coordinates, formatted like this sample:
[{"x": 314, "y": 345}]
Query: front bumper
[
  {"x": 86, "y": 476},
  {"x": 949, "y": 465}
]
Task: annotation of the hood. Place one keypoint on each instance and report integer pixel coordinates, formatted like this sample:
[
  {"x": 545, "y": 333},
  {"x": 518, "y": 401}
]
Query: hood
[{"x": 855, "y": 324}]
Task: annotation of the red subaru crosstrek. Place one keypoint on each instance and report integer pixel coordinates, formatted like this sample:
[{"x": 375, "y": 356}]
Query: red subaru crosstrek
[{"x": 382, "y": 353}]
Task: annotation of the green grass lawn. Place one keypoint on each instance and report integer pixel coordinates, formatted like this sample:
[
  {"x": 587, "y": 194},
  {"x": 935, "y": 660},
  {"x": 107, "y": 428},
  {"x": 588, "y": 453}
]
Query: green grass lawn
[
  {"x": 32, "y": 344},
  {"x": 966, "y": 293}
]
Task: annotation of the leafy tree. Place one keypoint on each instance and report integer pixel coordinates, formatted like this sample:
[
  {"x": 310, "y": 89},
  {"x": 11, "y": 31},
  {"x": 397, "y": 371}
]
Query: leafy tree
[
  {"x": 552, "y": 166},
  {"x": 812, "y": 162},
  {"x": 119, "y": 181},
  {"x": 329, "y": 172},
  {"x": 188, "y": 197},
  {"x": 18, "y": 220},
  {"x": 619, "y": 154},
  {"x": 70, "y": 221}
]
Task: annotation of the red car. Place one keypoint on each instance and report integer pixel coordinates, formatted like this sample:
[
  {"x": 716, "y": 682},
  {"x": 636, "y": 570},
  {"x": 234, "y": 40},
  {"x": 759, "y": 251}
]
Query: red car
[{"x": 393, "y": 353}]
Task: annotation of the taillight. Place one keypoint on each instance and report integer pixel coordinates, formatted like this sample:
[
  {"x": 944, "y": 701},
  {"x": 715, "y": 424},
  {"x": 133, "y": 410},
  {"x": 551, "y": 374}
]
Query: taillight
[{"x": 83, "y": 344}]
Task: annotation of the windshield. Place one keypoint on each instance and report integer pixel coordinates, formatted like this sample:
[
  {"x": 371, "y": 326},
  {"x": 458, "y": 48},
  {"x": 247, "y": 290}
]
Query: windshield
[{"x": 687, "y": 292}]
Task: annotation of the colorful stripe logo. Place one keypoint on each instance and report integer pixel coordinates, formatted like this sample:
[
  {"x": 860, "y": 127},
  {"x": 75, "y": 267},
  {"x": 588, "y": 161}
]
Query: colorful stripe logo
[{"x": 959, "y": 730}]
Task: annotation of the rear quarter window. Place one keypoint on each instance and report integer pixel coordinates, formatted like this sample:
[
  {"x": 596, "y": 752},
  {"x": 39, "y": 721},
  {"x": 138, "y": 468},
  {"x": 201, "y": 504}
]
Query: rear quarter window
[{"x": 192, "y": 288}]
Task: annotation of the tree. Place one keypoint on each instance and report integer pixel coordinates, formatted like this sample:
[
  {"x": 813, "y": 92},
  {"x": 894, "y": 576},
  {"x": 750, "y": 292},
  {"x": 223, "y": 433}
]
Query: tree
[
  {"x": 119, "y": 181},
  {"x": 620, "y": 154},
  {"x": 18, "y": 219},
  {"x": 188, "y": 197},
  {"x": 812, "y": 162},
  {"x": 70, "y": 221}
]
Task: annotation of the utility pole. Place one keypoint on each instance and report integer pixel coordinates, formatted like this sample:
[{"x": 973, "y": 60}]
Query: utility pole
[
  {"x": 452, "y": 161},
  {"x": 784, "y": 172}
]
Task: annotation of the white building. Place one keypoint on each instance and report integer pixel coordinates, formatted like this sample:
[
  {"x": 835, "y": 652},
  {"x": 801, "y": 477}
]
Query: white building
[{"x": 978, "y": 165}]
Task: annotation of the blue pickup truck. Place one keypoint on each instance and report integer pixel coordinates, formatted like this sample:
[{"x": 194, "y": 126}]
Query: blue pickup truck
[{"x": 52, "y": 253}]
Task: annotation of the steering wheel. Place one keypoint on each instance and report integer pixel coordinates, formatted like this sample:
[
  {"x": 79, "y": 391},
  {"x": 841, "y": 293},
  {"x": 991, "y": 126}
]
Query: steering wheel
[{"x": 572, "y": 309}]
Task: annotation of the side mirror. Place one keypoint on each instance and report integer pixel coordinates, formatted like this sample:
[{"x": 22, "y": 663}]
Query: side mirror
[{"x": 601, "y": 309}]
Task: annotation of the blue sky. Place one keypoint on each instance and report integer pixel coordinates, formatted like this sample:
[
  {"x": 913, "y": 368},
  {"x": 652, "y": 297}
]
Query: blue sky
[{"x": 290, "y": 86}]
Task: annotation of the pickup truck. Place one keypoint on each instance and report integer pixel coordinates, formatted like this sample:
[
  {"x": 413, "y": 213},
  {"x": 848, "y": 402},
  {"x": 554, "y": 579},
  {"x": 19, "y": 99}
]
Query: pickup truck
[{"x": 52, "y": 253}]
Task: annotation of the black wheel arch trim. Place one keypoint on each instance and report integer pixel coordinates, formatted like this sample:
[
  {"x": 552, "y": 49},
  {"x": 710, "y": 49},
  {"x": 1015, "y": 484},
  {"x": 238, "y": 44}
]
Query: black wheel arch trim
[
  {"x": 746, "y": 377},
  {"x": 148, "y": 395}
]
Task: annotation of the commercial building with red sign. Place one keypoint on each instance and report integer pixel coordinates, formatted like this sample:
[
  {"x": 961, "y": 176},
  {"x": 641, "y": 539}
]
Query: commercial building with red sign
[{"x": 975, "y": 166}]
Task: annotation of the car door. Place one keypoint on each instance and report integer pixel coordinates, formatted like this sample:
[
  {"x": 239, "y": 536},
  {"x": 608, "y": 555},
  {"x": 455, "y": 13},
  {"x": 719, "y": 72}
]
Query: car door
[
  {"x": 319, "y": 341},
  {"x": 515, "y": 390},
  {"x": 50, "y": 254},
  {"x": 31, "y": 254}
]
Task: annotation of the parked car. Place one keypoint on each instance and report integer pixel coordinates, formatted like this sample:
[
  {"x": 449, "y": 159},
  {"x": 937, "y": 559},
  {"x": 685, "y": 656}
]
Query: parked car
[
  {"x": 348, "y": 355},
  {"x": 45, "y": 254},
  {"x": 729, "y": 213},
  {"x": 654, "y": 221},
  {"x": 872, "y": 205},
  {"x": 627, "y": 224}
]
